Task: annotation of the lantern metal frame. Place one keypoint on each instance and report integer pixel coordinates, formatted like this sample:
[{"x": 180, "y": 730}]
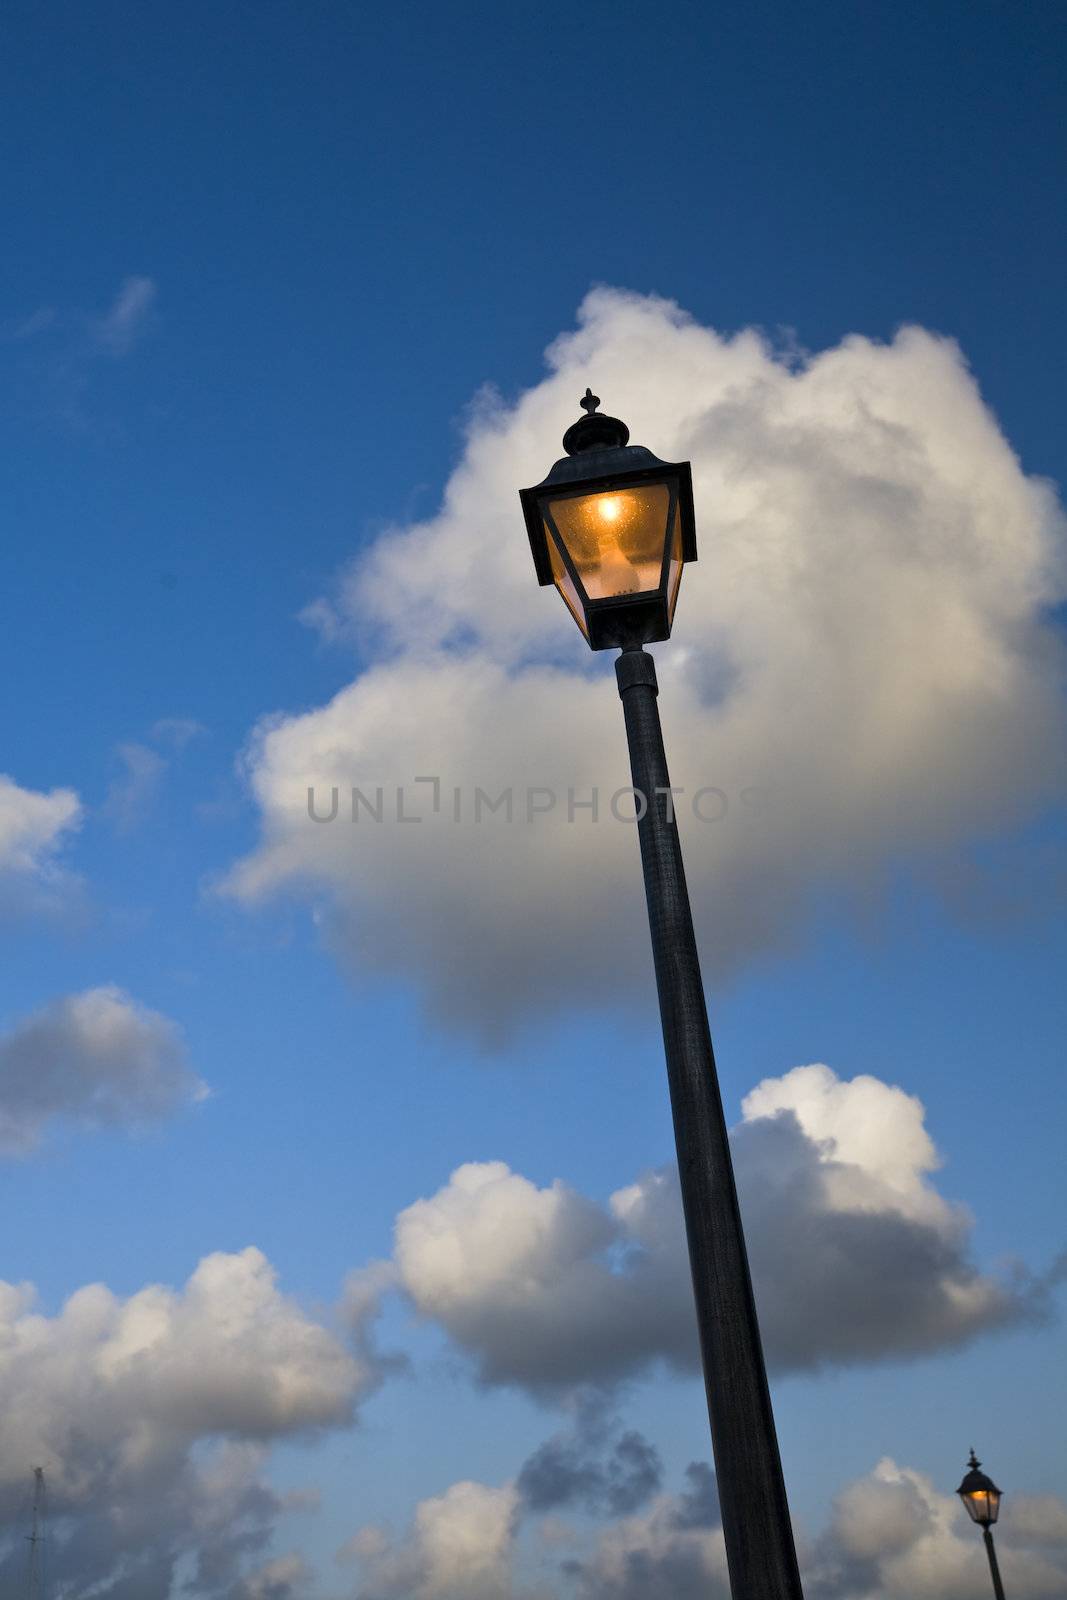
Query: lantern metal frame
[
  {"x": 978, "y": 1483},
  {"x": 600, "y": 461}
]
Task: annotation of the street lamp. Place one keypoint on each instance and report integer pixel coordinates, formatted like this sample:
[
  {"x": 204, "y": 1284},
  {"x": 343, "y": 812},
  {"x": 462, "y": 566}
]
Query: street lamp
[
  {"x": 982, "y": 1498},
  {"x": 612, "y": 526}
]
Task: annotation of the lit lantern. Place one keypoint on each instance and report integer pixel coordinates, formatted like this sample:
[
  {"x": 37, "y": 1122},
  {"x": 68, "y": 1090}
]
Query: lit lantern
[
  {"x": 612, "y": 526},
  {"x": 980, "y": 1495}
]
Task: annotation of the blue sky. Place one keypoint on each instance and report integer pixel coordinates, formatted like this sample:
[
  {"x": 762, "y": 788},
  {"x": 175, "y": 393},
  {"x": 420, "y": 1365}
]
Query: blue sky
[{"x": 273, "y": 275}]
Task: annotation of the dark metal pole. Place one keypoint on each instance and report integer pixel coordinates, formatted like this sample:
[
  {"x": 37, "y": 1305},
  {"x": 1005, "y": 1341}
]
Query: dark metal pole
[
  {"x": 755, "y": 1513},
  {"x": 998, "y": 1587}
]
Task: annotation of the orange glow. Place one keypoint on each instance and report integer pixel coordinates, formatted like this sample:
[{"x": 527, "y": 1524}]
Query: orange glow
[
  {"x": 616, "y": 539},
  {"x": 982, "y": 1505}
]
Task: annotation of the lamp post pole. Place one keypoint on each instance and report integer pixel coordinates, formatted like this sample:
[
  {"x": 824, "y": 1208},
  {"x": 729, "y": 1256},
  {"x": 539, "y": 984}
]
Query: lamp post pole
[
  {"x": 755, "y": 1512},
  {"x": 990, "y": 1550}
]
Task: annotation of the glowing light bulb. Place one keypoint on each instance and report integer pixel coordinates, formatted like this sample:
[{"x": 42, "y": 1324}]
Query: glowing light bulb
[
  {"x": 618, "y": 575},
  {"x": 610, "y": 507}
]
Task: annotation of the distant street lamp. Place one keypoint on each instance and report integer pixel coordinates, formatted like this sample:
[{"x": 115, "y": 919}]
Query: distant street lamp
[
  {"x": 612, "y": 526},
  {"x": 982, "y": 1498}
]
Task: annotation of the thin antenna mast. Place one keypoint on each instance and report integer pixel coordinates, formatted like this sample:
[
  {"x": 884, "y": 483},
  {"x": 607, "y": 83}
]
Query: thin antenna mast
[{"x": 35, "y": 1586}]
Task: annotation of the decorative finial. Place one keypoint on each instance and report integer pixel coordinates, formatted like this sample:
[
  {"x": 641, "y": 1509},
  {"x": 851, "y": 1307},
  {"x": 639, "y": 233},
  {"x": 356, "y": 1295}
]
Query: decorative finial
[
  {"x": 974, "y": 1462},
  {"x": 594, "y": 431}
]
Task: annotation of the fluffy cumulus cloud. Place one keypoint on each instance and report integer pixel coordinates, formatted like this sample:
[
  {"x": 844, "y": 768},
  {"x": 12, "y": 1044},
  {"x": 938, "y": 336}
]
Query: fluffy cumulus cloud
[
  {"x": 94, "y": 1060},
  {"x": 856, "y": 1255},
  {"x": 32, "y": 828},
  {"x": 460, "y": 1547},
  {"x": 893, "y": 1536},
  {"x": 466, "y": 1544},
  {"x": 862, "y": 646},
  {"x": 152, "y": 1417}
]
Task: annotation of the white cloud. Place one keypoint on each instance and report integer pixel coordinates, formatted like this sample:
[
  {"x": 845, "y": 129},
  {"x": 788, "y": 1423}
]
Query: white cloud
[
  {"x": 863, "y": 637},
  {"x": 464, "y": 1545},
  {"x": 460, "y": 1547},
  {"x": 130, "y": 797},
  {"x": 177, "y": 731},
  {"x": 63, "y": 348},
  {"x": 881, "y": 1151},
  {"x": 1040, "y": 1519},
  {"x": 152, "y": 1417},
  {"x": 28, "y": 327},
  {"x": 32, "y": 827},
  {"x": 126, "y": 318},
  {"x": 893, "y": 1536},
  {"x": 94, "y": 1060},
  {"x": 517, "y": 1276},
  {"x": 855, "y": 1254},
  {"x": 281, "y": 1579}
]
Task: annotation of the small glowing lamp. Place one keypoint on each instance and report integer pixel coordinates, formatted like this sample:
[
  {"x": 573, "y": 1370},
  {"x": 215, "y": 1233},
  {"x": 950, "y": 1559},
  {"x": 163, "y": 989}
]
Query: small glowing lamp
[
  {"x": 980, "y": 1495},
  {"x": 612, "y": 526}
]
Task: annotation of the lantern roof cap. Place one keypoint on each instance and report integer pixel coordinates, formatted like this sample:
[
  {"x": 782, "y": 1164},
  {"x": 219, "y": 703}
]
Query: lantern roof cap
[
  {"x": 594, "y": 431},
  {"x": 976, "y": 1482},
  {"x": 598, "y": 447}
]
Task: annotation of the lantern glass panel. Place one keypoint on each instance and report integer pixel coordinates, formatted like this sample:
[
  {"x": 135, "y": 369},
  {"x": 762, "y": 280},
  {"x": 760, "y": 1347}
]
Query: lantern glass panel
[
  {"x": 564, "y": 582},
  {"x": 615, "y": 539},
  {"x": 982, "y": 1506},
  {"x": 674, "y": 573}
]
